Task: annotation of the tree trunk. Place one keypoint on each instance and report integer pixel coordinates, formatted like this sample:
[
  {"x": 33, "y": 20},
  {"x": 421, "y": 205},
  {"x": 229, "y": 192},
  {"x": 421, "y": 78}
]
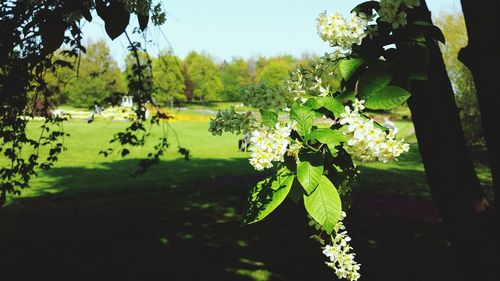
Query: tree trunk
[
  {"x": 482, "y": 57},
  {"x": 450, "y": 172}
]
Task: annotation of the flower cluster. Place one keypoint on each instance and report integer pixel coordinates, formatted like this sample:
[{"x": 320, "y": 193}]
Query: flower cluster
[
  {"x": 340, "y": 31},
  {"x": 336, "y": 54},
  {"x": 230, "y": 121},
  {"x": 268, "y": 145},
  {"x": 295, "y": 85},
  {"x": 263, "y": 96},
  {"x": 340, "y": 255},
  {"x": 368, "y": 142},
  {"x": 393, "y": 11},
  {"x": 323, "y": 92}
]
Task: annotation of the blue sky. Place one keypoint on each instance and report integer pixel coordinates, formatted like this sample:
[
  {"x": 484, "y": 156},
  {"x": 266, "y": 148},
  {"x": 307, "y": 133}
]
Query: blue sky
[{"x": 239, "y": 28}]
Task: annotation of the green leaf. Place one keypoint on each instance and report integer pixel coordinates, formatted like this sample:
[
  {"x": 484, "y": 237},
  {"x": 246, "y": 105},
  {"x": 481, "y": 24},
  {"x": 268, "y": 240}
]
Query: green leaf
[
  {"x": 376, "y": 77},
  {"x": 116, "y": 19},
  {"x": 346, "y": 96},
  {"x": 290, "y": 163},
  {"x": 52, "y": 33},
  {"x": 86, "y": 13},
  {"x": 348, "y": 66},
  {"x": 432, "y": 30},
  {"x": 333, "y": 150},
  {"x": 309, "y": 174},
  {"x": 115, "y": 16},
  {"x": 125, "y": 152},
  {"x": 387, "y": 98},
  {"x": 268, "y": 195},
  {"x": 101, "y": 8},
  {"x": 269, "y": 118},
  {"x": 314, "y": 103},
  {"x": 332, "y": 104},
  {"x": 296, "y": 192},
  {"x": 143, "y": 18},
  {"x": 422, "y": 23},
  {"x": 143, "y": 21},
  {"x": 327, "y": 136},
  {"x": 324, "y": 204},
  {"x": 304, "y": 116},
  {"x": 366, "y": 7},
  {"x": 437, "y": 34}
]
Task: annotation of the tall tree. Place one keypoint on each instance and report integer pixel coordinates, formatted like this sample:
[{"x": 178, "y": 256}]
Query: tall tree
[
  {"x": 450, "y": 172},
  {"x": 206, "y": 76},
  {"x": 98, "y": 76},
  {"x": 235, "y": 76},
  {"x": 188, "y": 82},
  {"x": 274, "y": 72},
  {"x": 481, "y": 56},
  {"x": 139, "y": 77},
  {"x": 168, "y": 79},
  {"x": 57, "y": 80}
]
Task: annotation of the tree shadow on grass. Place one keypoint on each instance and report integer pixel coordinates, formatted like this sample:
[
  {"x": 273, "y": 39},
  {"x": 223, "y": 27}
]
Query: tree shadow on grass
[
  {"x": 405, "y": 177},
  {"x": 182, "y": 222}
]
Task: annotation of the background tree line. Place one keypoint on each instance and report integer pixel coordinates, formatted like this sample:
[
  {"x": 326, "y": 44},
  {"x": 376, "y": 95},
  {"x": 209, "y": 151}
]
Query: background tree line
[
  {"x": 196, "y": 78},
  {"x": 200, "y": 78}
]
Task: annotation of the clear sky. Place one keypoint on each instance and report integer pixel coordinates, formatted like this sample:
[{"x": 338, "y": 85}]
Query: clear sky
[{"x": 239, "y": 28}]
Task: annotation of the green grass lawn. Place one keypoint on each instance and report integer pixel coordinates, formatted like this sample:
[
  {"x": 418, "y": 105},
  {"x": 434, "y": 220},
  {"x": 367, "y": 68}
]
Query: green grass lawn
[
  {"x": 86, "y": 140},
  {"x": 88, "y": 218}
]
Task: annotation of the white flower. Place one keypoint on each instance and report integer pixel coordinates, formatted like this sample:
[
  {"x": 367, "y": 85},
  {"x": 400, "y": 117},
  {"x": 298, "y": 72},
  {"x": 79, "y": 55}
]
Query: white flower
[
  {"x": 324, "y": 92},
  {"x": 388, "y": 11},
  {"x": 392, "y": 134},
  {"x": 268, "y": 145},
  {"x": 317, "y": 84},
  {"x": 340, "y": 255},
  {"x": 340, "y": 31},
  {"x": 334, "y": 55},
  {"x": 366, "y": 141},
  {"x": 348, "y": 116},
  {"x": 358, "y": 104},
  {"x": 393, "y": 11},
  {"x": 296, "y": 86}
]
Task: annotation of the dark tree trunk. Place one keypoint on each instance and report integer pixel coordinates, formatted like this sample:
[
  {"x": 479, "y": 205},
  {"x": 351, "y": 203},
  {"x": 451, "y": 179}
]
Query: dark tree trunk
[
  {"x": 449, "y": 169},
  {"x": 188, "y": 92},
  {"x": 482, "y": 57}
]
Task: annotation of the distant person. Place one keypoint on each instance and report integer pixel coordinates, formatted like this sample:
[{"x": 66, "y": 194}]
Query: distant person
[
  {"x": 97, "y": 109},
  {"x": 57, "y": 113},
  {"x": 388, "y": 123},
  {"x": 244, "y": 143}
]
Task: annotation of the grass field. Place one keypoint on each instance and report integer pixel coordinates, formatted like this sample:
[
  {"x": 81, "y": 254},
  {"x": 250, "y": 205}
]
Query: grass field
[
  {"x": 86, "y": 140},
  {"x": 88, "y": 219}
]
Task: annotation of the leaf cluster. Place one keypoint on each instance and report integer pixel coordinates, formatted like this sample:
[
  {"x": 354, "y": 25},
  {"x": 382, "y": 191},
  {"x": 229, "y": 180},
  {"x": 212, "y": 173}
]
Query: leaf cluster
[{"x": 378, "y": 71}]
